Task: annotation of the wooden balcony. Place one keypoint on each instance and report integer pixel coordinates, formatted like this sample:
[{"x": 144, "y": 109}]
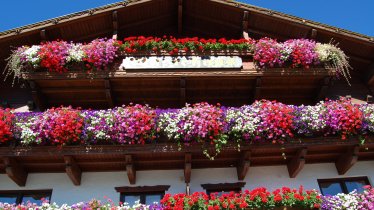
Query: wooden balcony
[
  {"x": 18, "y": 161},
  {"x": 171, "y": 88}
]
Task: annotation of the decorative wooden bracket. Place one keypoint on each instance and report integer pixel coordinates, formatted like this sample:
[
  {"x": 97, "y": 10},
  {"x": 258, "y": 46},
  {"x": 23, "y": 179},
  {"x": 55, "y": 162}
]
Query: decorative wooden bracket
[
  {"x": 115, "y": 24},
  {"x": 257, "y": 89},
  {"x": 108, "y": 93},
  {"x": 73, "y": 170},
  {"x": 245, "y": 25},
  {"x": 313, "y": 34},
  {"x": 243, "y": 165},
  {"x": 36, "y": 96},
  {"x": 180, "y": 16},
  {"x": 369, "y": 99},
  {"x": 347, "y": 160},
  {"x": 187, "y": 167},
  {"x": 130, "y": 169},
  {"x": 324, "y": 88},
  {"x": 182, "y": 91},
  {"x": 15, "y": 171},
  {"x": 43, "y": 35},
  {"x": 297, "y": 163}
]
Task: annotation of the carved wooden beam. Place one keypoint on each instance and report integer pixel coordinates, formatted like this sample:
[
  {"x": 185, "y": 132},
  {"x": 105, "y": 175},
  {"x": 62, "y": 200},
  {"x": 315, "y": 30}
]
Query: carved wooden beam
[
  {"x": 182, "y": 92},
  {"x": 370, "y": 75},
  {"x": 297, "y": 163},
  {"x": 245, "y": 25},
  {"x": 108, "y": 93},
  {"x": 15, "y": 171},
  {"x": 313, "y": 34},
  {"x": 187, "y": 167},
  {"x": 37, "y": 96},
  {"x": 369, "y": 99},
  {"x": 243, "y": 165},
  {"x": 180, "y": 16},
  {"x": 130, "y": 169},
  {"x": 324, "y": 88},
  {"x": 73, "y": 170},
  {"x": 257, "y": 89},
  {"x": 115, "y": 24},
  {"x": 43, "y": 35},
  {"x": 347, "y": 160}
]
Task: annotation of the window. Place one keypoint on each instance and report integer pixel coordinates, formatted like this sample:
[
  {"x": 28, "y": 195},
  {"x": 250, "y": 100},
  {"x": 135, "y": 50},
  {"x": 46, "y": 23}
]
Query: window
[
  {"x": 146, "y": 195},
  {"x": 223, "y": 187},
  {"x": 24, "y": 196},
  {"x": 342, "y": 185}
]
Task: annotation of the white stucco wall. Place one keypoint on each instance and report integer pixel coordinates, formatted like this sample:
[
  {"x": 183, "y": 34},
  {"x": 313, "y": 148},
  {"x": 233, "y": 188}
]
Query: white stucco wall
[{"x": 98, "y": 185}]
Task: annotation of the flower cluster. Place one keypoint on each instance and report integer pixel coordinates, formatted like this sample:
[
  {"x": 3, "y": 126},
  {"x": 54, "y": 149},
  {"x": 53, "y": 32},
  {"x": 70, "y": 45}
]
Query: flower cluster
[
  {"x": 133, "y": 124},
  {"x": 6, "y": 118},
  {"x": 53, "y": 55},
  {"x": 200, "y": 123},
  {"x": 301, "y": 52},
  {"x": 342, "y": 117},
  {"x": 175, "y": 45},
  {"x": 277, "y": 120},
  {"x": 93, "y": 204},
  {"x": 351, "y": 201},
  {"x": 100, "y": 53},
  {"x": 211, "y": 126},
  {"x": 59, "y": 56},
  {"x": 259, "y": 198}
]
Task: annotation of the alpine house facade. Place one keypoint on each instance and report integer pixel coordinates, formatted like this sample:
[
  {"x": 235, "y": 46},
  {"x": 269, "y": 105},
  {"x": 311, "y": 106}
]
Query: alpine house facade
[{"x": 287, "y": 110}]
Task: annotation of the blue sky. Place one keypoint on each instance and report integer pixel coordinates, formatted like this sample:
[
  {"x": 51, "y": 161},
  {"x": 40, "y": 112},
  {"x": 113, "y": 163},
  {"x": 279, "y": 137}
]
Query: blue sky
[{"x": 354, "y": 15}]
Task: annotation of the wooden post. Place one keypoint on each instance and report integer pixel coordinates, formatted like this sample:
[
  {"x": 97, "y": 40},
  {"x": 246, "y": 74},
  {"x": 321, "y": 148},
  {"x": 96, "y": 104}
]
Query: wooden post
[
  {"x": 347, "y": 160},
  {"x": 130, "y": 169},
  {"x": 108, "y": 93},
  {"x": 115, "y": 24},
  {"x": 187, "y": 168},
  {"x": 180, "y": 16},
  {"x": 313, "y": 34},
  {"x": 15, "y": 171},
  {"x": 37, "y": 96},
  {"x": 182, "y": 91},
  {"x": 297, "y": 163},
  {"x": 73, "y": 170},
  {"x": 43, "y": 35},
  {"x": 369, "y": 99},
  {"x": 245, "y": 25},
  {"x": 243, "y": 165},
  {"x": 257, "y": 89},
  {"x": 324, "y": 88}
]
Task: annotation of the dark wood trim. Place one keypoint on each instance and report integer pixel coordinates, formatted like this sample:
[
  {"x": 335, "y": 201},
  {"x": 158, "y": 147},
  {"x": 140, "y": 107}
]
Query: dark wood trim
[
  {"x": 342, "y": 181},
  {"x": 243, "y": 165},
  {"x": 115, "y": 24},
  {"x": 130, "y": 169},
  {"x": 15, "y": 171},
  {"x": 143, "y": 189},
  {"x": 347, "y": 160},
  {"x": 325, "y": 84},
  {"x": 21, "y": 193},
  {"x": 182, "y": 92},
  {"x": 73, "y": 170},
  {"x": 108, "y": 93},
  {"x": 180, "y": 16},
  {"x": 223, "y": 186},
  {"x": 37, "y": 95},
  {"x": 187, "y": 168},
  {"x": 297, "y": 163}
]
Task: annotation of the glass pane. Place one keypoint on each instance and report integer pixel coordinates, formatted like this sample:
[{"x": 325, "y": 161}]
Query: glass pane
[
  {"x": 8, "y": 199},
  {"x": 131, "y": 199},
  {"x": 331, "y": 188},
  {"x": 151, "y": 199},
  {"x": 35, "y": 198},
  {"x": 355, "y": 185}
]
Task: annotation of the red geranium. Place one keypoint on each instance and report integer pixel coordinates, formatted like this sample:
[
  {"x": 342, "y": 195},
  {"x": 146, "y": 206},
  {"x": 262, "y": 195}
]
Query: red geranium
[{"x": 6, "y": 118}]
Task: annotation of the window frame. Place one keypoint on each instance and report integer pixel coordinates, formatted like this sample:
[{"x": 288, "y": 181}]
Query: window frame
[
  {"x": 223, "y": 187},
  {"x": 342, "y": 182},
  {"x": 22, "y": 193},
  {"x": 142, "y": 191}
]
